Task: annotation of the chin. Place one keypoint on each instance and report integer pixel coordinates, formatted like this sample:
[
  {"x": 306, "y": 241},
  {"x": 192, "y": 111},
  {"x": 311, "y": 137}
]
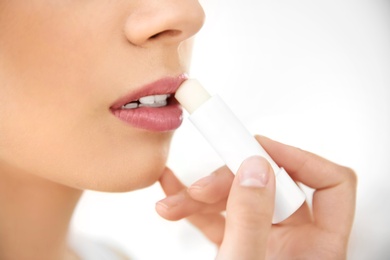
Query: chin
[
  {"x": 129, "y": 181},
  {"x": 117, "y": 163},
  {"x": 118, "y": 173},
  {"x": 119, "y": 178}
]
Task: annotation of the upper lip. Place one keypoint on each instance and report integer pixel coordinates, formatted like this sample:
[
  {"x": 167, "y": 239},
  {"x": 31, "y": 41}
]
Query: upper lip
[{"x": 166, "y": 85}]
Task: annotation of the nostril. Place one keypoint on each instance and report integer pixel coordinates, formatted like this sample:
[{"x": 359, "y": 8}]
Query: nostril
[{"x": 166, "y": 33}]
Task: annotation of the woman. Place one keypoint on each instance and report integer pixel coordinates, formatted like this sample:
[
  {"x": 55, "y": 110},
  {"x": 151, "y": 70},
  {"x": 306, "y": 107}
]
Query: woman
[{"x": 86, "y": 103}]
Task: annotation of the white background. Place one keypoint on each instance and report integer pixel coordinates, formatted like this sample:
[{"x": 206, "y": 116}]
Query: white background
[{"x": 313, "y": 74}]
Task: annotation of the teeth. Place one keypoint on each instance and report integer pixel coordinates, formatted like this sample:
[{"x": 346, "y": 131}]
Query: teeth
[
  {"x": 156, "y": 104},
  {"x": 130, "y": 105},
  {"x": 149, "y": 101},
  {"x": 159, "y": 98}
]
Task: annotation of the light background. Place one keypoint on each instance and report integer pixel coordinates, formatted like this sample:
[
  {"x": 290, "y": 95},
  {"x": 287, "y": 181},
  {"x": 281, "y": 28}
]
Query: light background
[{"x": 313, "y": 74}]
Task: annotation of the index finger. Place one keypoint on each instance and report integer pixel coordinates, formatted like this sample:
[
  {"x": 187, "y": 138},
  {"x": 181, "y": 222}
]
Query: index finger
[{"x": 335, "y": 196}]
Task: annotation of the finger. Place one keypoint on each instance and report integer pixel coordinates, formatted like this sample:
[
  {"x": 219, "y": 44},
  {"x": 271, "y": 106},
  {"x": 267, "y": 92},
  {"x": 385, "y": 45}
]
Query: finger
[
  {"x": 335, "y": 195},
  {"x": 170, "y": 183},
  {"x": 213, "y": 188},
  {"x": 178, "y": 204},
  {"x": 211, "y": 225},
  {"x": 181, "y": 205},
  {"x": 249, "y": 211}
]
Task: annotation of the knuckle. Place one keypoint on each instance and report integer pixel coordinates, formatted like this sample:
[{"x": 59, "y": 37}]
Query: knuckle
[{"x": 350, "y": 175}]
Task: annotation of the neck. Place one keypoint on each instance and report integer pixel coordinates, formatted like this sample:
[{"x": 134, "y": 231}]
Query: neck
[{"x": 34, "y": 216}]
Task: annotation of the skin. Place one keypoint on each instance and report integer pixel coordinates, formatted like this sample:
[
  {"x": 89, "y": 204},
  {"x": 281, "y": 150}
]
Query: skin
[{"x": 62, "y": 65}]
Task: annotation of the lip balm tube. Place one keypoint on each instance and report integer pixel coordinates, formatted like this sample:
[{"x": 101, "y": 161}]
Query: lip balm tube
[{"x": 233, "y": 142}]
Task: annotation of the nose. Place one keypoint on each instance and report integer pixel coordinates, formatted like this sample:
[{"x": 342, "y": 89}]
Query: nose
[{"x": 163, "y": 21}]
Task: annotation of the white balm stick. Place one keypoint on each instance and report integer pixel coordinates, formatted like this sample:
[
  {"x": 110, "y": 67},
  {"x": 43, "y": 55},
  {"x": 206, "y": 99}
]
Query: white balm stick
[{"x": 233, "y": 142}]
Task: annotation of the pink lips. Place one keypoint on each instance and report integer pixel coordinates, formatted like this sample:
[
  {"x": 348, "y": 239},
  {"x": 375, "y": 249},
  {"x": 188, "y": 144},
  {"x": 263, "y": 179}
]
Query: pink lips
[{"x": 159, "y": 119}]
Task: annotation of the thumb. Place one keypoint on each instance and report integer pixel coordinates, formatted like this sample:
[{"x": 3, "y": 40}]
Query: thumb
[{"x": 249, "y": 211}]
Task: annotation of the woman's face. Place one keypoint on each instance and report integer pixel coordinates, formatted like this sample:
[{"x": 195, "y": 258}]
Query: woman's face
[{"x": 68, "y": 67}]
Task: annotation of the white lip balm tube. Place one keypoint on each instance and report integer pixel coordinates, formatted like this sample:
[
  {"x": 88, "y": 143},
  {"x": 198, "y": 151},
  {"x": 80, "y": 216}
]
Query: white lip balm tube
[{"x": 233, "y": 142}]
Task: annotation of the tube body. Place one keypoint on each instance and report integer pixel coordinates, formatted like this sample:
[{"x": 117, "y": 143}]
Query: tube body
[{"x": 233, "y": 142}]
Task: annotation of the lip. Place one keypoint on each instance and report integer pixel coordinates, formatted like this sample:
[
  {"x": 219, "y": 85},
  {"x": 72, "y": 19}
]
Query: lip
[{"x": 160, "y": 119}]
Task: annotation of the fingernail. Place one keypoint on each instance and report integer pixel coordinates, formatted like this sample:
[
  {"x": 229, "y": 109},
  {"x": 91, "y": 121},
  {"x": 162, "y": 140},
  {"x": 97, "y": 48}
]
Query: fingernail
[
  {"x": 171, "y": 201},
  {"x": 254, "y": 172},
  {"x": 202, "y": 183}
]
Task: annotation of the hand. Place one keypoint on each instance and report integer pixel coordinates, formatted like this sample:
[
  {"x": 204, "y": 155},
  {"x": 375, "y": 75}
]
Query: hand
[{"x": 317, "y": 232}]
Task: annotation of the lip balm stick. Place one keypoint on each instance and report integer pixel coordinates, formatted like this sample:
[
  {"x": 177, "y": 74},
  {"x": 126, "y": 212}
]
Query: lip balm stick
[{"x": 233, "y": 142}]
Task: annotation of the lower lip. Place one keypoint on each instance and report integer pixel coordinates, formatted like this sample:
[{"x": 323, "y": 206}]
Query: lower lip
[{"x": 160, "y": 119}]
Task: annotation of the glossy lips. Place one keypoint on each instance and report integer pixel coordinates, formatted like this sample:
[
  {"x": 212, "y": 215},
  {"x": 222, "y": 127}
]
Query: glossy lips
[{"x": 138, "y": 109}]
